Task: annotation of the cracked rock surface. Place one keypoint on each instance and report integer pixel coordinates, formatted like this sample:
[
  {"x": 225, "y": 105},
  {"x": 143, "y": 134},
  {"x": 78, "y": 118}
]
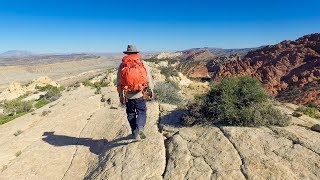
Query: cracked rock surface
[
  {"x": 84, "y": 138},
  {"x": 227, "y": 152},
  {"x": 202, "y": 153}
]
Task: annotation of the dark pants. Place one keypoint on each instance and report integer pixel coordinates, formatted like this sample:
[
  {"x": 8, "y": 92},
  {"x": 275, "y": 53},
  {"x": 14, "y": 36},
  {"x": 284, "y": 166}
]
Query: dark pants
[{"x": 136, "y": 113}]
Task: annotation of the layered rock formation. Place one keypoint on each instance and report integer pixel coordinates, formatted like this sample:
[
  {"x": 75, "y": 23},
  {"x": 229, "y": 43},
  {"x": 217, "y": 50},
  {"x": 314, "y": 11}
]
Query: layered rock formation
[
  {"x": 204, "y": 68},
  {"x": 164, "y": 55},
  {"x": 198, "y": 55},
  {"x": 282, "y": 66}
]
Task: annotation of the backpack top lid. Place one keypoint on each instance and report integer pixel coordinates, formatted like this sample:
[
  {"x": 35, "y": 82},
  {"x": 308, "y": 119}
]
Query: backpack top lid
[{"x": 131, "y": 57}]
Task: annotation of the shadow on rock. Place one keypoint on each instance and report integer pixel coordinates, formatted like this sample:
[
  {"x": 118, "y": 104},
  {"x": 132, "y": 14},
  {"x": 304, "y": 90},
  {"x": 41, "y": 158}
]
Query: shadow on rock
[
  {"x": 96, "y": 146},
  {"x": 173, "y": 118},
  {"x": 107, "y": 153}
]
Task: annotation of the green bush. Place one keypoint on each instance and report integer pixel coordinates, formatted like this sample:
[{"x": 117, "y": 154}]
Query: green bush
[
  {"x": 310, "y": 111},
  {"x": 169, "y": 71},
  {"x": 14, "y": 109},
  {"x": 52, "y": 94},
  {"x": 100, "y": 84},
  {"x": 5, "y": 119},
  {"x": 238, "y": 101},
  {"x": 87, "y": 83},
  {"x": 173, "y": 84},
  {"x": 49, "y": 88},
  {"x": 16, "y": 106},
  {"x": 40, "y": 103},
  {"x": 166, "y": 92},
  {"x": 156, "y": 61}
]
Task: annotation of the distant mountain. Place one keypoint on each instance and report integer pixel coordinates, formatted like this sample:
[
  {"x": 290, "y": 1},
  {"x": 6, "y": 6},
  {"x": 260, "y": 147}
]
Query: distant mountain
[
  {"x": 43, "y": 58},
  {"x": 16, "y": 53},
  {"x": 224, "y": 52}
]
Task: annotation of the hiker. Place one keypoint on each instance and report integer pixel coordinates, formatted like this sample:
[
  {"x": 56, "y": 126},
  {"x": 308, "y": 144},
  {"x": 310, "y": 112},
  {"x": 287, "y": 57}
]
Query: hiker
[{"x": 134, "y": 84}]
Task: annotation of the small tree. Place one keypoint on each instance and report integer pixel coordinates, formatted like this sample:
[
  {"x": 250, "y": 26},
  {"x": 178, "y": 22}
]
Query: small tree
[
  {"x": 235, "y": 101},
  {"x": 17, "y": 106}
]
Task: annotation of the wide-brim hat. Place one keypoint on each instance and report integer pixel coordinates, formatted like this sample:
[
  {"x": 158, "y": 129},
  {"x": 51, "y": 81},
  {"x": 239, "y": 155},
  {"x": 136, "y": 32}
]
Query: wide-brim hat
[{"x": 131, "y": 49}]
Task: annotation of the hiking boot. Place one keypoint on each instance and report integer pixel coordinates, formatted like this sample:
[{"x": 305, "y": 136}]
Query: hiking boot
[
  {"x": 136, "y": 133},
  {"x": 139, "y": 134},
  {"x": 142, "y": 135}
]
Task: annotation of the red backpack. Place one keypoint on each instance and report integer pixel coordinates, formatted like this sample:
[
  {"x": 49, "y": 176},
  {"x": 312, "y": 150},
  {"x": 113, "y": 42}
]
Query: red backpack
[{"x": 133, "y": 75}]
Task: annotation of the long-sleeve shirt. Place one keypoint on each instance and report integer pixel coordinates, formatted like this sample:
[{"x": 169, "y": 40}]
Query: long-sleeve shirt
[{"x": 137, "y": 94}]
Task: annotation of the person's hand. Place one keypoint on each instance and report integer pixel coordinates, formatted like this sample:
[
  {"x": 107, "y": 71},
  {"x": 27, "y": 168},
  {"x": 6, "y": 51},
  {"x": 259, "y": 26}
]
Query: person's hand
[
  {"x": 121, "y": 99},
  {"x": 150, "y": 94}
]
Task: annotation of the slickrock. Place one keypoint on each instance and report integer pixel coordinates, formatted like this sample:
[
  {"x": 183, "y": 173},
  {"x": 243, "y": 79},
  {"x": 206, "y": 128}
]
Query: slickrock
[
  {"x": 202, "y": 153},
  {"x": 125, "y": 158},
  {"x": 239, "y": 152},
  {"x": 267, "y": 154},
  {"x": 84, "y": 138},
  {"x": 78, "y": 134}
]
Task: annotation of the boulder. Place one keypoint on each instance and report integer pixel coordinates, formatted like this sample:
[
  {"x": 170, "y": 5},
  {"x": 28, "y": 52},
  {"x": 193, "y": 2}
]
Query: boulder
[
  {"x": 14, "y": 91},
  {"x": 316, "y": 128}
]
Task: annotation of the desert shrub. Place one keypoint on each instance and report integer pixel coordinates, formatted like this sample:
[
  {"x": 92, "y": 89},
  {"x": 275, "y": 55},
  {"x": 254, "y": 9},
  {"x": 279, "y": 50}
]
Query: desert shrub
[
  {"x": 87, "y": 83},
  {"x": 76, "y": 85},
  {"x": 16, "y": 106},
  {"x": 309, "y": 111},
  {"x": 98, "y": 90},
  {"x": 313, "y": 105},
  {"x": 238, "y": 101},
  {"x": 173, "y": 84},
  {"x": 97, "y": 85},
  {"x": 156, "y": 61},
  {"x": 5, "y": 119},
  {"x": 45, "y": 113},
  {"x": 293, "y": 93},
  {"x": 52, "y": 94},
  {"x": 40, "y": 103},
  {"x": 100, "y": 84},
  {"x": 50, "y": 88},
  {"x": 169, "y": 71},
  {"x": 166, "y": 92}
]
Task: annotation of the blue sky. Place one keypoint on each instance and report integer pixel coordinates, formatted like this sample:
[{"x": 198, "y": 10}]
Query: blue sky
[{"x": 108, "y": 26}]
